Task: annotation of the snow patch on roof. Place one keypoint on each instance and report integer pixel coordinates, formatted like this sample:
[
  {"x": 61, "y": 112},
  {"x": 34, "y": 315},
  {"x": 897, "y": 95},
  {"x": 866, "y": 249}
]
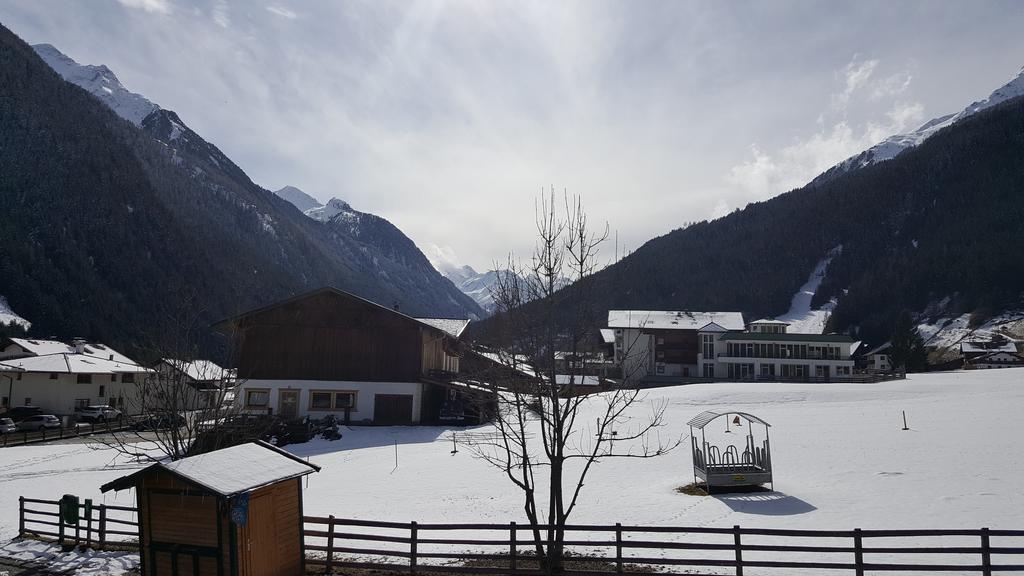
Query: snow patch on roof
[
  {"x": 673, "y": 320},
  {"x": 453, "y": 326},
  {"x": 239, "y": 468}
]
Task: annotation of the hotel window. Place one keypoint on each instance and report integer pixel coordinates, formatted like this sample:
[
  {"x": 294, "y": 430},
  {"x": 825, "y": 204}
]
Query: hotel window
[
  {"x": 53, "y": 375},
  {"x": 257, "y": 398},
  {"x": 128, "y": 378},
  {"x": 85, "y": 378},
  {"x": 81, "y": 403},
  {"x": 103, "y": 390}
]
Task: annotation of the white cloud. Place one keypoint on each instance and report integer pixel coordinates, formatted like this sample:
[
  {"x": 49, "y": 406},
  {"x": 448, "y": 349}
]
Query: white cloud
[
  {"x": 282, "y": 12},
  {"x": 795, "y": 164},
  {"x": 221, "y": 14},
  {"x": 154, "y": 6}
]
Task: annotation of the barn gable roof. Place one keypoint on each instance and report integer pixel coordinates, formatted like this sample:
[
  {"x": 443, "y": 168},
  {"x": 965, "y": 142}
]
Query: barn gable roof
[
  {"x": 225, "y": 324},
  {"x": 230, "y": 471}
]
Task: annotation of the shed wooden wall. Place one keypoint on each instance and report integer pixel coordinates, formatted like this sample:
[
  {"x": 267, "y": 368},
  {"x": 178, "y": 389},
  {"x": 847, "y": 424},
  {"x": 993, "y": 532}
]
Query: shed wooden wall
[
  {"x": 171, "y": 511},
  {"x": 329, "y": 336},
  {"x": 284, "y": 501}
]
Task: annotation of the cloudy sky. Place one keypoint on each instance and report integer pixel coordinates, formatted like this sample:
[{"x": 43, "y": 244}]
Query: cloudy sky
[{"x": 448, "y": 118}]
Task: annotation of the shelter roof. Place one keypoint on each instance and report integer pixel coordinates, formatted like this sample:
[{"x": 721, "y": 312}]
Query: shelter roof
[{"x": 704, "y": 418}]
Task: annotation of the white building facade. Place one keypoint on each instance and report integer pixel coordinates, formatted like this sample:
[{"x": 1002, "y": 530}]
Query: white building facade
[
  {"x": 59, "y": 377},
  {"x": 717, "y": 345}
]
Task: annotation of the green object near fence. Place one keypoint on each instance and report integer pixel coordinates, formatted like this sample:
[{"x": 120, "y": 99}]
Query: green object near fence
[{"x": 69, "y": 509}]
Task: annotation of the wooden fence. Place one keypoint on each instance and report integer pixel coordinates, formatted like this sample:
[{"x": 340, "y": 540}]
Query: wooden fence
[
  {"x": 413, "y": 548},
  {"x": 99, "y": 526},
  {"x": 73, "y": 431},
  {"x": 335, "y": 543}
]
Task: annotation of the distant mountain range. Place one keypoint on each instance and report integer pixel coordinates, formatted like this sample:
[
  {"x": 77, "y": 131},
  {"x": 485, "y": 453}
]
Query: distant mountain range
[{"x": 117, "y": 216}]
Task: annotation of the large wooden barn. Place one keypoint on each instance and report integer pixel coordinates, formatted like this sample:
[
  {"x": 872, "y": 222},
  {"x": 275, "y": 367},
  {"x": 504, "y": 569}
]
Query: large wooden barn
[
  {"x": 231, "y": 512},
  {"x": 331, "y": 352}
]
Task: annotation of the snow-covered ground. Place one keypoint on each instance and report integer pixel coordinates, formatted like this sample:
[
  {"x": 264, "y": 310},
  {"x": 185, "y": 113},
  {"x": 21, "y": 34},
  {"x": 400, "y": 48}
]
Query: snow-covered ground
[
  {"x": 7, "y": 315},
  {"x": 802, "y": 319},
  {"x": 948, "y": 332},
  {"x": 841, "y": 461}
]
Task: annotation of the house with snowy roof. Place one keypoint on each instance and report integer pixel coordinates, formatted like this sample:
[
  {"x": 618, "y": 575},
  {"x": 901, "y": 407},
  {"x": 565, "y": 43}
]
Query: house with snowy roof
[
  {"x": 995, "y": 360},
  {"x": 331, "y": 352},
  {"x": 667, "y": 346},
  {"x": 972, "y": 349},
  {"x": 62, "y": 376},
  {"x": 212, "y": 383}
]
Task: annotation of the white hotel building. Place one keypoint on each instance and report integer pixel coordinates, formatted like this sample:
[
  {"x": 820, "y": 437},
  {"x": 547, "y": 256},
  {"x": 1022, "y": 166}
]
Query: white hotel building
[{"x": 667, "y": 346}]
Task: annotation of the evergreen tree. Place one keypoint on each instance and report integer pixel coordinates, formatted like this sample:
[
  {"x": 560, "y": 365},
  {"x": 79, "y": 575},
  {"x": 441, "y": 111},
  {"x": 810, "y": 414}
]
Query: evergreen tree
[{"x": 907, "y": 353}]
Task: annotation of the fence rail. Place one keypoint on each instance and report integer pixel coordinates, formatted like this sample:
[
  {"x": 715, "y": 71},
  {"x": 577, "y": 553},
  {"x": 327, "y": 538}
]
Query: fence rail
[
  {"x": 594, "y": 550},
  {"x": 415, "y": 548},
  {"x": 99, "y": 526},
  {"x": 77, "y": 429}
]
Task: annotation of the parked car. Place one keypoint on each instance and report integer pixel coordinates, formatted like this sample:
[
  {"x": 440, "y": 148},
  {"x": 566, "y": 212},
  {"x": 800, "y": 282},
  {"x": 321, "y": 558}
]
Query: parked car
[
  {"x": 160, "y": 422},
  {"x": 39, "y": 422},
  {"x": 100, "y": 413},
  {"x": 7, "y": 426},
  {"x": 19, "y": 413}
]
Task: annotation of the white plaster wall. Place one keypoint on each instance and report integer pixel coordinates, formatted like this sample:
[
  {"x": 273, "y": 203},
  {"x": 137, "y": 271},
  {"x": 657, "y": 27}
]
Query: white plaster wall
[{"x": 365, "y": 393}]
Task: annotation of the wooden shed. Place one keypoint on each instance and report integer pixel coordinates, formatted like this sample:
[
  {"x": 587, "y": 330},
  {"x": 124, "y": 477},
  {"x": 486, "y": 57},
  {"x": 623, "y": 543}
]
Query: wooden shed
[{"x": 231, "y": 512}]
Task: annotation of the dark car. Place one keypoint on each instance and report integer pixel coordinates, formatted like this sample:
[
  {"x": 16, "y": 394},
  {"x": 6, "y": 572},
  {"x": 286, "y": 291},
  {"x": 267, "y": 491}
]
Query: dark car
[
  {"x": 160, "y": 422},
  {"x": 19, "y": 413}
]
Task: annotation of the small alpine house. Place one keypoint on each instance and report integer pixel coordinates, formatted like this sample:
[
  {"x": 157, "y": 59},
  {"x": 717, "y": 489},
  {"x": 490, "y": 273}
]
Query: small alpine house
[
  {"x": 231, "y": 512},
  {"x": 726, "y": 466}
]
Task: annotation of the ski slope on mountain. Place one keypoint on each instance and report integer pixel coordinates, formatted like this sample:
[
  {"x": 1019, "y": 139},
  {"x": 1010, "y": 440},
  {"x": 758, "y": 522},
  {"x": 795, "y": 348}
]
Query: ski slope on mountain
[{"x": 800, "y": 316}]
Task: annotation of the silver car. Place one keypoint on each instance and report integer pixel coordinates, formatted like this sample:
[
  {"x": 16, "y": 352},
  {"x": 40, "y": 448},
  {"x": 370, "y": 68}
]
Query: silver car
[
  {"x": 39, "y": 422},
  {"x": 7, "y": 426}
]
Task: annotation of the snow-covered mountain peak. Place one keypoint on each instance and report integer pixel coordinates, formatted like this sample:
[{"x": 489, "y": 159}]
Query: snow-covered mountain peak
[
  {"x": 896, "y": 144},
  {"x": 298, "y": 198},
  {"x": 99, "y": 81},
  {"x": 333, "y": 209}
]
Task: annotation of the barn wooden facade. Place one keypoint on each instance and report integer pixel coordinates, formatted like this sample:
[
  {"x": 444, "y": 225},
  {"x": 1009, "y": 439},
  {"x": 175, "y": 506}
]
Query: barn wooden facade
[
  {"x": 331, "y": 352},
  {"x": 231, "y": 512}
]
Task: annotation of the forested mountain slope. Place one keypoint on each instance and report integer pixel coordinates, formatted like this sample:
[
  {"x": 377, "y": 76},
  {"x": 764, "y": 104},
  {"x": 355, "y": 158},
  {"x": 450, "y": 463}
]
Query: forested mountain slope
[{"x": 107, "y": 230}]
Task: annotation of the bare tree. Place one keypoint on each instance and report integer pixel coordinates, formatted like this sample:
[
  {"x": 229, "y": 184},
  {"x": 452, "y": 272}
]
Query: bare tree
[
  {"x": 185, "y": 397},
  {"x": 544, "y": 437}
]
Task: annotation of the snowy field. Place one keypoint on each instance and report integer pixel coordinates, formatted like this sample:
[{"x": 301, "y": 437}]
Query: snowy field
[{"x": 840, "y": 457}]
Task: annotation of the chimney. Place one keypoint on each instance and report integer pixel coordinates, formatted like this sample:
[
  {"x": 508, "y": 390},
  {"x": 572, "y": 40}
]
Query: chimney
[{"x": 79, "y": 345}]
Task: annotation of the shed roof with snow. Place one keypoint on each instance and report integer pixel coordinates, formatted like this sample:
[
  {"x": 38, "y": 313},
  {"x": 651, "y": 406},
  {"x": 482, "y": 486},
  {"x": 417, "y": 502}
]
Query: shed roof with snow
[
  {"x": 453, "y": 326},
  {"x": 673, "y": 319},
  {"x": 230, "y": 471}
]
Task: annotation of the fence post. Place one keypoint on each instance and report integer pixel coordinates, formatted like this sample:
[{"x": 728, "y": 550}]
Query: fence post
[
  {"x": 858, "y": 552},
  {"x": 512, "y": 546},
  {"x": 986, "y": 554},
  {"x": 618, "y": 547},
  {"x": 412, "y": 548},
  {"x": 21, "y": 516},
  {"x": 739, "y": 550},
  {"x": 103, "y": 526},
  {"x": 330, "y": 543}
]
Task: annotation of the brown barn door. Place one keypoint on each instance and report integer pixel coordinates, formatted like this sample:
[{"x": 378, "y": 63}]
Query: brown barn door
[
  {"x": 261, "y": 531},
  {"x": 288, "y": 404},
  {"x": 392, "y": 409}
]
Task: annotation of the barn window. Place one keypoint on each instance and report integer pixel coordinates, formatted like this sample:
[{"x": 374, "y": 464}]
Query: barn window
[
  {"x": 320, "y": 401},
  {"x": 257, "y": 398},
  {"x": 326, "y": 400}
]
